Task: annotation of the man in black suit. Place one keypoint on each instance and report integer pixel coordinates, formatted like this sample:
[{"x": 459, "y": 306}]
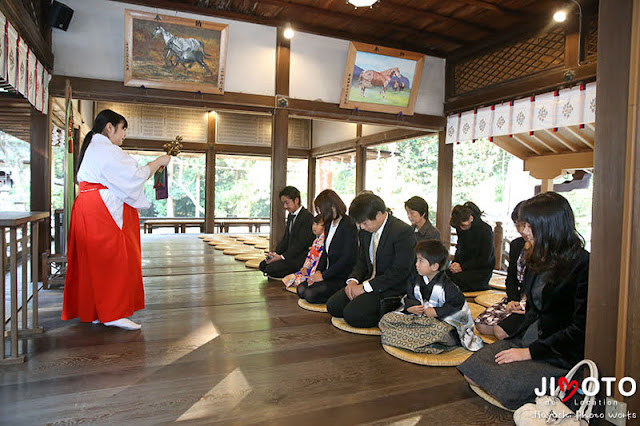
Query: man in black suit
[
  {"x": 292, "y": 250},
  {"x": 385, "y": 261}
]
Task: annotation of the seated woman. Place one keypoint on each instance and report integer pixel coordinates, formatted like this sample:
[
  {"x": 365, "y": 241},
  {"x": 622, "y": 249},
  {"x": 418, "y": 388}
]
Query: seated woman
[
  {"x": 434, "y": 315},
  {"x": 475, "y": 258},
  {"x": 418, "y": 214},
  {"x": 340, "y": 247},
  {"x": 497, "y": 320},
  {"x": 313, "y": 257},
  {"x": 551, "y": 338}
]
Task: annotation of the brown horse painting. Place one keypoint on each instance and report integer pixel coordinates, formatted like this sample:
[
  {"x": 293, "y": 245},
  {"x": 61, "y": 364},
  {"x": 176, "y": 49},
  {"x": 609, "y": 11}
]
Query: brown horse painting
[{"x": 371, "y": 78}]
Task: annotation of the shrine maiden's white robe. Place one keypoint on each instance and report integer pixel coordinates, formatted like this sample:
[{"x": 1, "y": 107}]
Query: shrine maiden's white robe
[{"x": 104, "y": 273}]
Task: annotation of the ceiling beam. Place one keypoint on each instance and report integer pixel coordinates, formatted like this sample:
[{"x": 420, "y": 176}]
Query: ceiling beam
[
  {"x": 392, "y": 5},
  {"x": 552, "y": 166},
  {"x": 400, "y": 29}
]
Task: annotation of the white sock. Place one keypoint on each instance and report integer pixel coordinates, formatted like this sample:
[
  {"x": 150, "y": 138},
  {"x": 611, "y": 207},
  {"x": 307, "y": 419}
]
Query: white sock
[
  {"x": 124, "y": 323},
  {"x": 95, "y": 321}
]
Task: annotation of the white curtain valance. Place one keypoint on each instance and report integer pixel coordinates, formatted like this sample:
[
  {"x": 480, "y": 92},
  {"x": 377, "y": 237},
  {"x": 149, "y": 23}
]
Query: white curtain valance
[
  {"x": 568, "y": 107},
  {"x": 20, "y": 69}
]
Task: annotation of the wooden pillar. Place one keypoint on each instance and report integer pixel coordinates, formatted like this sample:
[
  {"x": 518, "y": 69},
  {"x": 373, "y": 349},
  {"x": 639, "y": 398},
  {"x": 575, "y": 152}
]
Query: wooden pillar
[
  {"x": 280, "y": 140},
  {"x": 40, "y": 141},
  {"x": 546, "y": 185},
  {"x": 613, "y": 330},
  {"x": 361, "y": 162},
  {"x": 445, "y": 188},
  {"x": 210, "y": 176},
  {"x": 311, "y": 182}
]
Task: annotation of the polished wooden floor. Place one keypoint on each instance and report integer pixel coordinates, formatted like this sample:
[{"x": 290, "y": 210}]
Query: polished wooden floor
[{"x": 221, "y": 344}]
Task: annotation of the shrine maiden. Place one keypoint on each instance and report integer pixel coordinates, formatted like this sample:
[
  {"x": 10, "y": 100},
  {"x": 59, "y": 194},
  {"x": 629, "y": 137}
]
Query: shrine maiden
[{"x": 104, "y": 272}]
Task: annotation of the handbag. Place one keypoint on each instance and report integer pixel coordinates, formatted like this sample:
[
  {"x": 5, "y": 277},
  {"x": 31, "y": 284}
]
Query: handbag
[{"x": 550, "y": 410}]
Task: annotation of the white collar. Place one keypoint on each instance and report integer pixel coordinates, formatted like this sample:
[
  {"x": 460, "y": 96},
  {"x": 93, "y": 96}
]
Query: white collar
[{"x": 297, "y": 211}]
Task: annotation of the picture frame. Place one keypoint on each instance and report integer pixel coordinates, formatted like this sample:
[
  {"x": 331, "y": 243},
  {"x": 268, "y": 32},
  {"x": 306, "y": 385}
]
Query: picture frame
[
  {"x": 381, "y": 79},
  {"x": 174, "y": 53}
]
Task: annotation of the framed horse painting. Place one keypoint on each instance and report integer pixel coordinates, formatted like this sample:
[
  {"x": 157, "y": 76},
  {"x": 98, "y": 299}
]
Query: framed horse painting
[
  {"x": 168, "y": 52},
  {"x": 381, "y": 79}
]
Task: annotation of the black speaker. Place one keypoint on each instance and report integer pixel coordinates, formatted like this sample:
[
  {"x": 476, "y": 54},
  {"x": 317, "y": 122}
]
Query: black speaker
[{"x": 60, "y": 15}]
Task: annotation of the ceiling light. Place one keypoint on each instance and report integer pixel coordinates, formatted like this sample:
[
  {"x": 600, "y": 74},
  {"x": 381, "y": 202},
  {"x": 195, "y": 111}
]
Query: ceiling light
[
  {"x": 288, "y": 32},
  {"x": 362, "y": 3},
  {"x": 560, "y": 16}
]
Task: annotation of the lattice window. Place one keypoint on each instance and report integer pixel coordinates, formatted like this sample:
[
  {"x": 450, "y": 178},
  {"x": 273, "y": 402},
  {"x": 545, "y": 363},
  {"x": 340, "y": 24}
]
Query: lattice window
[
  {"x": 161, "y": 122},
  {"x": 252, "y": 129},
  {"x": 515, "y": 60},
  {"x": 591, "y": 48}
]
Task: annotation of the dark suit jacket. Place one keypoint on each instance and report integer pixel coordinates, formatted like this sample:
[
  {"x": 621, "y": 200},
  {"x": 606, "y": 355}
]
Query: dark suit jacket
[
  {"x": 394, "y": 259},
  {"x": 454, "y": 299},
  {"x": 342, "y": 251},
  {"x": 562, "y": 316},
  {"x": 294, "y": 246},
  {"x": 514, "y": 288}
]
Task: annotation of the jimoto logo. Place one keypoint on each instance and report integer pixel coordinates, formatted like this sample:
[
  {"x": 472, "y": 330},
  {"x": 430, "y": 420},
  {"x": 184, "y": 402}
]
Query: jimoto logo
[{"x": 626, "y": 386}]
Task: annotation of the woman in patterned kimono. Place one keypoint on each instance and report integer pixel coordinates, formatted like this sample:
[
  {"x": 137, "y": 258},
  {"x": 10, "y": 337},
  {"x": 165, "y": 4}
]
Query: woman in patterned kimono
[
  {"x": 503, "y": 319},
  {"x": 104, "y": 274}
]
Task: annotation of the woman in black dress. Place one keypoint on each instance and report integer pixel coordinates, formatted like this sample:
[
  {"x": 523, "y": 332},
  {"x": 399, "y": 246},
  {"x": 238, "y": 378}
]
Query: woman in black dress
[{"x": 551, "y": 337}]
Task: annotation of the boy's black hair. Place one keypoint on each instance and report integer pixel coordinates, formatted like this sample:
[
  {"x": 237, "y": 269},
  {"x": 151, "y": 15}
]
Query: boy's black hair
[
  {"x": 291, "y": 192},
  {"x": 434, "y": 251},
  {"x": 318, "y": 218}
]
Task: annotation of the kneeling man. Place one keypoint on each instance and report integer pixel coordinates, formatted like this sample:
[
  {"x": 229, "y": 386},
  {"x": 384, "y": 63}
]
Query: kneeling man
[{"x": 292, "y": 250}]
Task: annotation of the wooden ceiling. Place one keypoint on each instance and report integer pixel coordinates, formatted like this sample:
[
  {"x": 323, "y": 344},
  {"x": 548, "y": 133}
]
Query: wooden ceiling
[{"x": 434, "y": 27}]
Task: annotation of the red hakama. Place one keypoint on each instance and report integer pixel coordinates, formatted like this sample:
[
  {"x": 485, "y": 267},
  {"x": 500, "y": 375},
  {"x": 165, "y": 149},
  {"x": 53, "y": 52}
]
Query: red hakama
[{"x": 104, "y": 271}]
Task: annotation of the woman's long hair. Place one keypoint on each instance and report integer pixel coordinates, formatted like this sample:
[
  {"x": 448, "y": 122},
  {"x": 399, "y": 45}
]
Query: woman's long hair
[
  {"x": 325, "y": 203},
  {"x": 556, "y": 242},
  {"x": 104, "y": 117}
]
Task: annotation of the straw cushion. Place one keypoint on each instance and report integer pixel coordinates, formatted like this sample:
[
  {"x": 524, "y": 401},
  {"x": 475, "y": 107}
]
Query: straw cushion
[
  {"x": 226, "y": 246},
  {"x": 485, "y": 337},
  {"x": 319, "y": 307},
  {"x": 498, "y": 282},
  {"x": 451, "y": 358},
  {"x": 487, "y": 300},
  {"x": 342, "y": 325},
  {"x": 270, "y": 278},
  {"x": 475, "y": 309},
  {"x": 292, "y": 289},
  {"x": 472, "y": 294},
  {"x": 491, "y": 400},
  {"x": 238, "y": 250},
  {"x": 250, "y": 255},
  {"x": 261, "y": 245},
  {"x": 253, "y": 263}
]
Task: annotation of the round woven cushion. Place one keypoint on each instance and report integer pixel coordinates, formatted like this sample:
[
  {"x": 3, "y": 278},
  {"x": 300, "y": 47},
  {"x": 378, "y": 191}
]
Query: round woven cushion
[
  {"x": 320, "y": 307},
  {"x": 237, "y": 235},
  {"x": 472, "y": 294},
  {"x": 270, "y": 278},
  {"x": 203, "y": 236},
  {"x": 475, "y": 309},
  {"x": 451, "y": 358},
  {"x": 487, "y": 300},
  {"x": 264, "y": 245},
  {"x": 238, "y": 250},
  {"x": 292, "y": 289},
  {"x": 253, "y": 263},
  {"x": 342, "y": 325},
  {"x": 250, "y": 255},
  {"x": 226, "y": 246},
  {"x": 491, "y": 400},
  {"x": 498, "y": 282}
]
